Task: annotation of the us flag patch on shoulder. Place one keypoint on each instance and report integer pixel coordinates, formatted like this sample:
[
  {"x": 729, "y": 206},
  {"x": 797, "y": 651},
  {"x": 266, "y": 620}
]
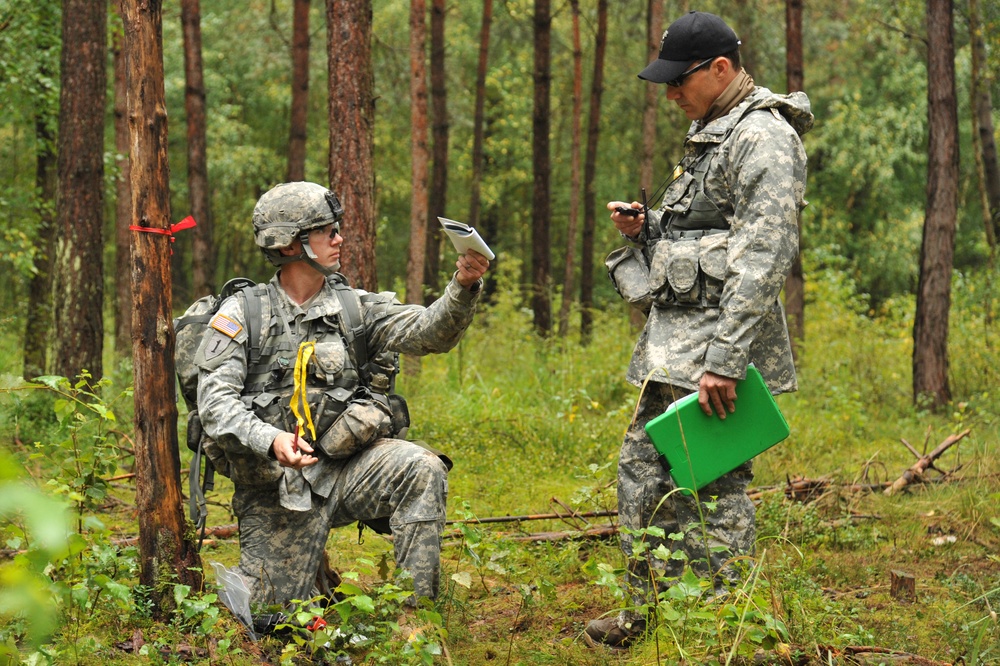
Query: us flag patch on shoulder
[{"x": 224, "y": 324}]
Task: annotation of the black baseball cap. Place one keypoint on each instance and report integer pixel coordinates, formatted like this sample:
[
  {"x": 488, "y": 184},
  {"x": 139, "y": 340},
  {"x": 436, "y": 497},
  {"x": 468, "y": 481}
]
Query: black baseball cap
[{"x": 693, "y": 37}]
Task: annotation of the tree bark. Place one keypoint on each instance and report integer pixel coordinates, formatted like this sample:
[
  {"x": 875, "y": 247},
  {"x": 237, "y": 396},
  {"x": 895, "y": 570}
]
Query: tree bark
[
  {"x": 79, "y": 285},
  {"x": 654, "y": 32},
  {"x": 478, "y": 118},
  {"x": 167, "y": 557},
  {"x": 930, "y": 326},
  {"x": 574, "y": 186},
  {"x": 590, "y": 175},
  {"x": 438, "y": 198},
  {"x": 123, "y": 200},
  {"x": 983, "y": 138},
  {"x": 38, "y": 326},
  {"x": 352, "y": 139},
  {"x": 298, "y": 123},
  {"x": 541, "y": 204},
  {"x": 795, "y": 301},
  {"x": 203, "y": 252},
  {"x": 419, "y": 155}
]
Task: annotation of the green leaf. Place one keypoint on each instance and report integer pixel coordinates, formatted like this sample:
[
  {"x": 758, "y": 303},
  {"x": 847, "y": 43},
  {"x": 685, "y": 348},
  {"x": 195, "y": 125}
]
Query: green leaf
[
  {"x": 463, "y": 578},
  {"x": 363, "y": 603}
]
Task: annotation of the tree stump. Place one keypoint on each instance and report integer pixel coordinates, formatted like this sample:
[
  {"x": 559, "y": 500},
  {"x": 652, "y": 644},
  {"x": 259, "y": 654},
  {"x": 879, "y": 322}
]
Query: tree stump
[{"x": 903, "y": 586}]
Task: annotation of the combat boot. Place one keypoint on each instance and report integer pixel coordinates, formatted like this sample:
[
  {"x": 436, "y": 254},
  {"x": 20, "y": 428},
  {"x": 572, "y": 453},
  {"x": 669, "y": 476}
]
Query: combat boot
[{"x": 606, "y": 632}]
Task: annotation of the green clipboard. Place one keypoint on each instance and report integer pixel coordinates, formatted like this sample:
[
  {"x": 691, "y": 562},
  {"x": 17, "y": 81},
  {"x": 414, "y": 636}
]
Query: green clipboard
[{"x": 711, "y": 447}]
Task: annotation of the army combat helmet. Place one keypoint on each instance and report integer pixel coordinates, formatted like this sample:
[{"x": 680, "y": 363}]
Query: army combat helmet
[{"x": 289, "y": 211}]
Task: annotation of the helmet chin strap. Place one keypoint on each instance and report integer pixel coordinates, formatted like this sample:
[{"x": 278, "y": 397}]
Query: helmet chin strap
[{"x": 310, "y": 257}]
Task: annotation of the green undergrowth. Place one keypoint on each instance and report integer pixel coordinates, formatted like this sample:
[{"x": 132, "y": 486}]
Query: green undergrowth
[{"x": 534, "y": 427}]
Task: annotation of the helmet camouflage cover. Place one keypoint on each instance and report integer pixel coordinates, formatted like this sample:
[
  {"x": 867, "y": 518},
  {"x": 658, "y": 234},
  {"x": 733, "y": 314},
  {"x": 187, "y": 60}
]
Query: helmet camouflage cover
[{"x": 284, "y": 211}]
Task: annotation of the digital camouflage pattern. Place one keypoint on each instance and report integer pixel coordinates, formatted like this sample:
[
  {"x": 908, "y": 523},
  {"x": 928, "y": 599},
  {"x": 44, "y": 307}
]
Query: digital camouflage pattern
[
  {"x": 752, "y": 168},
  {"x": 643, "y": 501},
  {"x": 284, "y": 511},
  {"x": 290, "y": 208},
  {"x": 281, "y": 550},
  {"x": 763, "y": 159}
]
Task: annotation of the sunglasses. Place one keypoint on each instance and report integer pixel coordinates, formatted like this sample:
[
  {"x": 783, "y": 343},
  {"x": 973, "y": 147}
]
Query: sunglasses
[
  {"x": 679, "y": 81},
  {"x": 334, "y": 229}
]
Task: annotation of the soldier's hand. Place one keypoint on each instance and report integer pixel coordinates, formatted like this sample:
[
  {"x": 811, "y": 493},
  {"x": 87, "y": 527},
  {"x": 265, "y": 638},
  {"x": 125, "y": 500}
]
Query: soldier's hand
[
  {"x": 630, "y": 225},
  {"x": 718, "y": 392},
  {"x": 471, "y": 267},
  {"x": 293, "y": 451}
]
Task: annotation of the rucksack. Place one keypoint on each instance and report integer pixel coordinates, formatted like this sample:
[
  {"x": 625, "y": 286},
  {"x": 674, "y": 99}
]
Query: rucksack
[{"x": 189, "y": 330}]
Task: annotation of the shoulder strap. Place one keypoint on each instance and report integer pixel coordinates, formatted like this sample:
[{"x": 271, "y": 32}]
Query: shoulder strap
[
  {"x": 353, "y": 322},
  {"x": 254, "y": 314}
]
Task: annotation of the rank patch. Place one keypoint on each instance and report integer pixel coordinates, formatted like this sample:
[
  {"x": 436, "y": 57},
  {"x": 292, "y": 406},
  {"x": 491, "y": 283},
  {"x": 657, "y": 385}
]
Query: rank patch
[{"x": 225, "y": 325}]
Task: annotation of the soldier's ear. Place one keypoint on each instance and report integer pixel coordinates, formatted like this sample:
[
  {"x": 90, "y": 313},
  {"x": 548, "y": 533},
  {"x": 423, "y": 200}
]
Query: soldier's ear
[{"x": 293, "y": 250}]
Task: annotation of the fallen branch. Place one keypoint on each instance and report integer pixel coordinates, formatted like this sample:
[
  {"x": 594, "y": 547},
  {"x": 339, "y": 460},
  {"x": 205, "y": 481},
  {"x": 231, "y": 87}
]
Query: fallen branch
[
  {"x": 916, "y": 472},
  {"x": 532, "y": 516}
]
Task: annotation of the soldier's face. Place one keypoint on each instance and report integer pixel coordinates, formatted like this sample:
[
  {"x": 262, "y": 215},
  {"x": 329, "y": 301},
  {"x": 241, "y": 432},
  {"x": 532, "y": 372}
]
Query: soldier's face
[
  {"x": 326, "y": 242},
  {"x": 700, "y": 88}
]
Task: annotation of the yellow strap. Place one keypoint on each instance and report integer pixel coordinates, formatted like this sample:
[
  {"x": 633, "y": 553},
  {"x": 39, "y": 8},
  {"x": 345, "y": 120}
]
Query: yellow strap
[{"x": 306, "y": 350}]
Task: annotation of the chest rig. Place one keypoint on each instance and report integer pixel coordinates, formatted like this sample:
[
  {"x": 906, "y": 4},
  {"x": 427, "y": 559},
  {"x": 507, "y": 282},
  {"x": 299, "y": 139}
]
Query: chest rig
[
  {"x": 333, "y": 377},
  {"x": 687, "y": 207}
]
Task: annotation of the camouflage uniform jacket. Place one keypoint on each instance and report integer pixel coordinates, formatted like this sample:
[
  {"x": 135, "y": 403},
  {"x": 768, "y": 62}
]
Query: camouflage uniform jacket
[
  {"x": 226, "y": 411},
  {"x": 751, "y": 167}
]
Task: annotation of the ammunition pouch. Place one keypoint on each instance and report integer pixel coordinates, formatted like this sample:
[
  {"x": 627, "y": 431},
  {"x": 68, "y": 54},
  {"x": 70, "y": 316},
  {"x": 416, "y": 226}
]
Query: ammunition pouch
[
  {"x": 362, "y": 422},
  {"x": 688, "y": 268},
  {"x": 629, "y": 273}
]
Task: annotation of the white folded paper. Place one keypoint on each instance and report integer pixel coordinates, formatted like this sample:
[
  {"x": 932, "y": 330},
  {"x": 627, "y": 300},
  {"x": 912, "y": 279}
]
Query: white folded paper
[{"x": 464, "y": 238}]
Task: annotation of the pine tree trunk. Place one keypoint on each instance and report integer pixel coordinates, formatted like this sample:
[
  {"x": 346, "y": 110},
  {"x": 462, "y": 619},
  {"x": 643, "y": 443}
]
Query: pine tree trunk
[
  {"x": 590, "y": 175},
  {"x": 574, "y": 186},
  {"x": 419, "y": 155},
  {"x": 123, "y": 201},
  {"x": 654, "y": 32},
  {"x": 478, "y": 119},
  {"x": 983, "y": 138},
  {"x": 38, "y": 327},
  {"x": 541, "y": 215},
  {"x": 298, "y": 122},
  {"x": 79, "y": 281},
  {"x": 203, "y": 250},
  {"x": 795, "y": 301},
  {"x": 167, "y": 557},
  {"x": 930, "y": 326},
  {"x": 438, "y": 198},
  {"x": 352, "y": 139}
]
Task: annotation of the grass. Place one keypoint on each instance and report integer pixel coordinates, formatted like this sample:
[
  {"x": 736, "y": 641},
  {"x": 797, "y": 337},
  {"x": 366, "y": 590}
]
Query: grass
[{"x": 533, "y": 425}]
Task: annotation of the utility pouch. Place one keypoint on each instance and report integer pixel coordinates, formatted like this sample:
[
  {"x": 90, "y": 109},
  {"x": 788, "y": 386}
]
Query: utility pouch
[
  {"x": 195, "y": 431},
  {"x": 400, "y": 420},
  {"x": 629, "y": 275},
  {"x": 267, "y": 407},
  {"x": 713, "y": 261},
  {"x": 328, "y": 359},
  {"x": 681, "y": 264},
  {"x": 361, "y": 423},
  {"x": 332, "y": 403},
  {"x": 658, "y": 287}
]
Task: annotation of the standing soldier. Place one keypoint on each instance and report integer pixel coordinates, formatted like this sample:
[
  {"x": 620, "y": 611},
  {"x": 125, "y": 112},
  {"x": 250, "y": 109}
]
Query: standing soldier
[{"x": 716, "y": 252}]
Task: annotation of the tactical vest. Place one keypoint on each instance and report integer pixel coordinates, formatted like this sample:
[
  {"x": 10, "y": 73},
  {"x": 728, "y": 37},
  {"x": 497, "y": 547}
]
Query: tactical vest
[
  {"x": 686, "y": 205},
  {"x": 687, "y": 262},
  {"x": 333, "y": 376}
]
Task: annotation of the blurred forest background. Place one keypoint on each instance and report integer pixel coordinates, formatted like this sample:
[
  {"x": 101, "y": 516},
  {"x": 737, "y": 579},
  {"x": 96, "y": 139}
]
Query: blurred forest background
[{"x": 864, "y": 66}]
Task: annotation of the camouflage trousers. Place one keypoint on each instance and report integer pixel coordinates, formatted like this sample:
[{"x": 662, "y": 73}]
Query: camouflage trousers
[
  {"x": 281, "y": 550},
  {"x": 643, "y": 486}
]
